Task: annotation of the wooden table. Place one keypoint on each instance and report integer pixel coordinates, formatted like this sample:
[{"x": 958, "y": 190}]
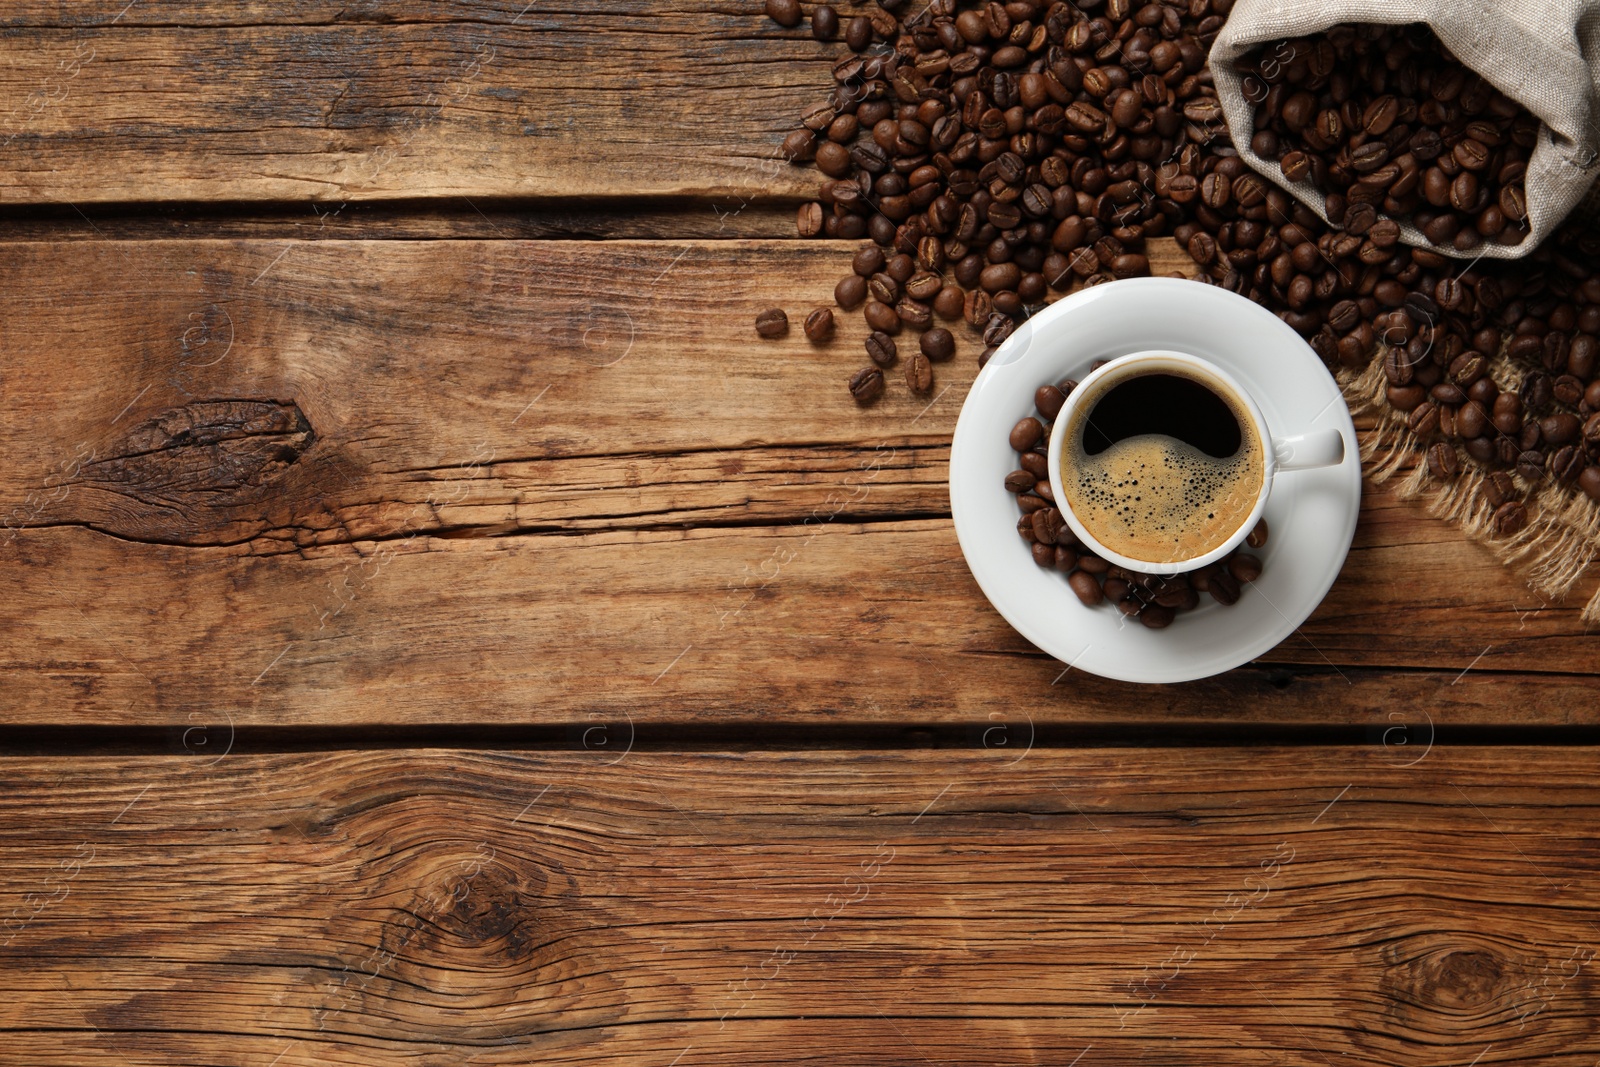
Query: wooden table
[{"x": 436, "y": 630}]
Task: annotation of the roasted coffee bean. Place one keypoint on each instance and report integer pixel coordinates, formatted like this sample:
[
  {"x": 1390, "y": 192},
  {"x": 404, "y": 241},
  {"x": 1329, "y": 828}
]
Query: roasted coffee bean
[
  {"x": 1026, "y": 433},
  {"x": 1049, "y": 400},
  {"x": 919, "y": 378},
  {"x": 851, "y": 292},
  {"x": 938, "y": 344},
  {"x": 882, "y": 317},
  {"x": 785, "y": 13},
  {"x": 1036, "y": 465},
  {"x": 824, "y": 23},
  {"x": 1258, "y": 535},
  {"x": 1589, "y": 482},
  {"x": 866, "y": 385},
  {"x": 809, "y": 219},
  {"x": 868, "y": 261},
  {"x": 1245, "y": 567},
  {"x": 881, "y": 348},
  {"x": 1509, "y": 519},
  {"x": 819, "y": 326},
  {"x": 772, "y": 323},
  {"x": 1442, "y": 461},
  {"x": 1223, "y": 587},
  {"x": 1087, "y": 589},
  {"x": 1018, "y": 481}
]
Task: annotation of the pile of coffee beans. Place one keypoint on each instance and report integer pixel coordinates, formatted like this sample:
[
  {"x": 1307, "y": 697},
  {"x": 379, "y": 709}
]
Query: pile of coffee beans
[
  {"x": 1155, "y": 600},
  {"x": 1390, "y": 126},
  {"x": 995, "y": 152}
]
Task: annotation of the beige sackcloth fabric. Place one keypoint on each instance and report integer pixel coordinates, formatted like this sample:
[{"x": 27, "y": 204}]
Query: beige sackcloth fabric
[{"x": 1545, "y": 54}]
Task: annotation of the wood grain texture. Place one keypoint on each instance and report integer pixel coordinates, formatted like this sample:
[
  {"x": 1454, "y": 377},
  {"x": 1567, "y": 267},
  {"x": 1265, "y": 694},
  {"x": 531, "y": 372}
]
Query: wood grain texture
[
  {"x": 413, "y": 482},
  {"x": 334, "y": 102},
  {"x": 1296, "y": 906}
]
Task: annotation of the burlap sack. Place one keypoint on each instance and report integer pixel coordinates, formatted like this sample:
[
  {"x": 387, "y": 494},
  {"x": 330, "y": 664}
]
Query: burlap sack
[{"x": 1545, "y": 54}]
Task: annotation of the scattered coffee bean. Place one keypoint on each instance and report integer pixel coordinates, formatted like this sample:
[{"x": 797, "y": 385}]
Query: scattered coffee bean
[
  {"x": 819, "y": 326},
  {"x": 881, "y": 348},
  {"x": 772, "y": 322},
  {"x": 919, "y": 372},
  {"x": 785, "y": 13},
  {"x": 851, "y": 292},
  {"x": 866, "y": 385},
  {"x": 824, "y": 23},
  {"x": 938, "y": 343}
]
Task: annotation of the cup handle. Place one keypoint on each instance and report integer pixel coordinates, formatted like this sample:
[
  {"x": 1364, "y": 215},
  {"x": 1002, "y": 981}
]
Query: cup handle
[{"x": 1323, "y": 448}]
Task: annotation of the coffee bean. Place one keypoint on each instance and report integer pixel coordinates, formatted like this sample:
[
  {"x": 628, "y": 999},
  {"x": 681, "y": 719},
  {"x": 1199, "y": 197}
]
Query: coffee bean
[
  {"x": 1509, "y": 519},
  {"x": 785, "y": 13},
  {"x": 881, "y": 348},
  {"x": 858, "y": 33},
  {"x": 1026, "y": 433},
  {"x": 824, "y": 23},
  {"x": 851, "y": 292},
  {"x": 868, "y": 261},
  {"x": 866, "y": 385},
  {"x": 1087, "y": 589},
  {"x": 1245, "y": 567},
  {"x": 1589, "y": 482},
  {"x": 1442, "y": 461},
  {"x": 1049, "y": 400},
  {"x": 1258, "y": 535},
  {"x": 1018, "y": 481},
  {"x": 809, "y": 219},
  {"x": 1223, "y": 587},
  {"x": 882, "y": 317},
  {"x": 919, "y": 379},
  {"x": 1036, "y": 465},
  {"x": 938, "y": 343},
  {"x": 772, "y": 323},
  {"x": 819, "y": 326}
]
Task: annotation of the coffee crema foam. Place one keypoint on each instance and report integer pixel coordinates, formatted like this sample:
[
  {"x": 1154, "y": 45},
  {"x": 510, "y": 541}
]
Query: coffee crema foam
[{"x": 1156, "y": 498}]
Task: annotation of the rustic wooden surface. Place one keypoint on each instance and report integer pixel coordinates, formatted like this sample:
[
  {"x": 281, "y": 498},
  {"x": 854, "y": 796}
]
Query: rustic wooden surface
[
  {"x": 482, "y": 473},
  {"x": 382, "y": 370},
  {"x": 1299, "y": 906}
]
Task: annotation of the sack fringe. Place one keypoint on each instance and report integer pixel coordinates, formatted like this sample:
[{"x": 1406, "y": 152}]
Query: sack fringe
[{"x": 1551, "y": 553}]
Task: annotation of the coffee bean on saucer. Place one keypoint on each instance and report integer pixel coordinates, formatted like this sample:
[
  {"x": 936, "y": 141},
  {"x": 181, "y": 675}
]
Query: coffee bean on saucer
[
  {"x": 1257, "y": 536},
  {"x": 1026, "y": 433},
  {"x": 1048, "y": 399},
  {"x": 1020, "y": 481},
  {"x": 1044, "y": 555},
  {"x": 1245, "y": 567},
  {"x": 1157, "y": 616},
  {"x": 1223, "y": 587},
  {"x": 772, "y": 323},
  {"x": 1088, "y": 590},
  {"x": 866, "y": 385},
  {"x": 1036, "y": 465},
  {"x": 819, "y": 326}
]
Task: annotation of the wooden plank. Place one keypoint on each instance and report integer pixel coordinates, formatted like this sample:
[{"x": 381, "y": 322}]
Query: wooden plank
[
  {"x": 1300, "y": 906},
  {"x": 428, "y": 463},
  {"x": 333, "y": 102}
]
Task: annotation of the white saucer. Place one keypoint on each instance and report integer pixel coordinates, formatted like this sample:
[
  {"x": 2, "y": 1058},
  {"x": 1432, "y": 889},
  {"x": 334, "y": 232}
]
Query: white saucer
[{"x": 1311, "y": 514}]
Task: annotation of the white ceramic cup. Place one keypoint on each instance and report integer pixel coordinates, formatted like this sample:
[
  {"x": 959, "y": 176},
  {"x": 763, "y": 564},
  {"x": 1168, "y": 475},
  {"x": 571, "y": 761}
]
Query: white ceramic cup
[{"x": 1322, "y": 448}]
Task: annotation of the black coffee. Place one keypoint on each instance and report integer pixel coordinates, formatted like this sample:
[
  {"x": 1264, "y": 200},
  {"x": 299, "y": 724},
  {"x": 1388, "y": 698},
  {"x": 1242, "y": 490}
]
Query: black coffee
[{"x": 1166, "y": 404}]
